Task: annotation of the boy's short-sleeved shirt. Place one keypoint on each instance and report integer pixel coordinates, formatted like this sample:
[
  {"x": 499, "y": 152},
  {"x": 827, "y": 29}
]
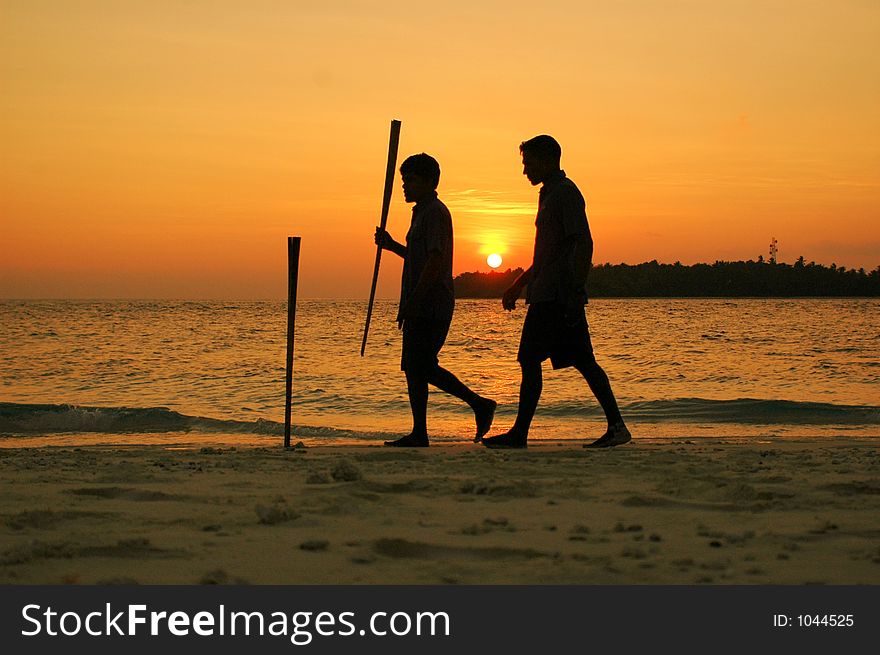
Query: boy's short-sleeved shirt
[
  {"x": 562, "y": 215},
  {"x": 430, "y": 230}
]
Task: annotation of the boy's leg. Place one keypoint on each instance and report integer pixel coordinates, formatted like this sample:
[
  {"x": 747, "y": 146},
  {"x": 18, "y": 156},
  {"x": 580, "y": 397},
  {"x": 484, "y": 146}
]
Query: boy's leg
[
  {"x": 417, "y": 359},
  {"x": 484, "y": 408},
  {"x": 530, "y": 388},
  {"x": 529, "y": 394},
  {"x": 601, "y": 388},
  {"x": 617, "y": 433},
  {"x": 446, "y": 381},
  {"x": 417, "y": 390},
  {"x": 534, "y": 348}
]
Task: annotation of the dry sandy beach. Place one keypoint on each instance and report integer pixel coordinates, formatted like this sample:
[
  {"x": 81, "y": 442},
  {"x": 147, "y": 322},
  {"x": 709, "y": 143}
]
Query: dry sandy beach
[{"x": 793, "y": 511}]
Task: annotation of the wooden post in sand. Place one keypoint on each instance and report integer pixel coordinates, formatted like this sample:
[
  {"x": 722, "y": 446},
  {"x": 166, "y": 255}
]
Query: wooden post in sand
[
  {"x": 386, "y": 202},
  {"x": 292, "y": 275}
]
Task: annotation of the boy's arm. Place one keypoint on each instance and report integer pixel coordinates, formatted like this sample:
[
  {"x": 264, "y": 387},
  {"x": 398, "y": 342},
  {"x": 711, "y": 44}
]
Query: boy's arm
[
  {"x": 508, "y": 300},
  {"x": 384, "y": 241},
  {"x": 581, "y": 260}
]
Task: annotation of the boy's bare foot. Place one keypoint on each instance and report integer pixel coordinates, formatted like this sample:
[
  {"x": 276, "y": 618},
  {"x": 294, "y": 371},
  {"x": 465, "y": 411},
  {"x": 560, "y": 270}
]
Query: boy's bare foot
[
  {"x": 410, "y": 441},
  {"x": 617, "y": 435},
  {"x": 506, "y": 440},
  {"x": 485, "y": 415}
]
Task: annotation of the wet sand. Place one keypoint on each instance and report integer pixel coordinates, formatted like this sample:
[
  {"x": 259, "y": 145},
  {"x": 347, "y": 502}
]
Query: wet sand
[{"x": 674, "y": 511}]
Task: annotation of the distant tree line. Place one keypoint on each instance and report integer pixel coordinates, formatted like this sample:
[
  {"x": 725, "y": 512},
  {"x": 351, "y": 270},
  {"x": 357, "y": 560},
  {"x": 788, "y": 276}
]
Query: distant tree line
[
  {"x": 724, "y": 279},
  {"x": 485, "y": 285}
]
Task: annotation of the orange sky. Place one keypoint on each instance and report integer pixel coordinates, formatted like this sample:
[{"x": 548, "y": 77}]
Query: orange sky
[{"x": 166, "y": 149}]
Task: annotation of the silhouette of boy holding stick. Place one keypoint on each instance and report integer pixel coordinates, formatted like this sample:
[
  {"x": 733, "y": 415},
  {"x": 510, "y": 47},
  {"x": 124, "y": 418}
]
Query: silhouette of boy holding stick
[{"x": 427, "y": 300}]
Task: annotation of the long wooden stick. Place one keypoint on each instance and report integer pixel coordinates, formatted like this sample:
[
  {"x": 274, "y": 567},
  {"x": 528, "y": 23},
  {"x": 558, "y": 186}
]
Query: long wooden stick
[
  {"x": 292, "y": 275},
  {"x": 386, "y": 202}
]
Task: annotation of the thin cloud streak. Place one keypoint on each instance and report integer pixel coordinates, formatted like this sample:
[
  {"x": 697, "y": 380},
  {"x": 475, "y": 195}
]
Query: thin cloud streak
[{"x": 493, "y": 203}]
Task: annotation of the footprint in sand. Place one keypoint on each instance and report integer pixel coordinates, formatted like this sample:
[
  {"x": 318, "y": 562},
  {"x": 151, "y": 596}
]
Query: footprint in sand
[
  {"x": 126, "y": 493},
  {"x": 275, "y": 513},
  {"x": 315, "y": 545},
  {"x": 221, "y": 577},
  {"x": 47, "y": 518},
  {"x": 405, "y": 549}
]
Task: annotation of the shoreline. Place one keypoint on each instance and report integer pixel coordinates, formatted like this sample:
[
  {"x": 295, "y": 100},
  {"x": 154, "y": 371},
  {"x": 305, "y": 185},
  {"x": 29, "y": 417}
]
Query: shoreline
[
  {"x": 699, "y": 511},
  {"x": 195, "y": 439}
]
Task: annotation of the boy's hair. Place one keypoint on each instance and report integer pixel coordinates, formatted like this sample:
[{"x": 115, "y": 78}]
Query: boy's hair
[
  {"x": 423, "y": 165},
  {"x": 543, "y": 146}
]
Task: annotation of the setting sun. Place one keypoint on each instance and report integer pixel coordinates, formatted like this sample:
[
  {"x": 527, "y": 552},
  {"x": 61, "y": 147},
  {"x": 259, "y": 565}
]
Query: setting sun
[{"x": 494, "y": 260}]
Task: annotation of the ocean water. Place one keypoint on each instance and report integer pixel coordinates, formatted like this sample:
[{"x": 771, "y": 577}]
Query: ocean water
[{"x": 679, "y": 367}]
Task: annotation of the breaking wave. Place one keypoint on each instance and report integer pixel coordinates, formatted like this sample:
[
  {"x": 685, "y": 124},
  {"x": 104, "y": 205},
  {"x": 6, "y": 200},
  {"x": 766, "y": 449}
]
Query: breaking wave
[{"x": 29, "y": 419}]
